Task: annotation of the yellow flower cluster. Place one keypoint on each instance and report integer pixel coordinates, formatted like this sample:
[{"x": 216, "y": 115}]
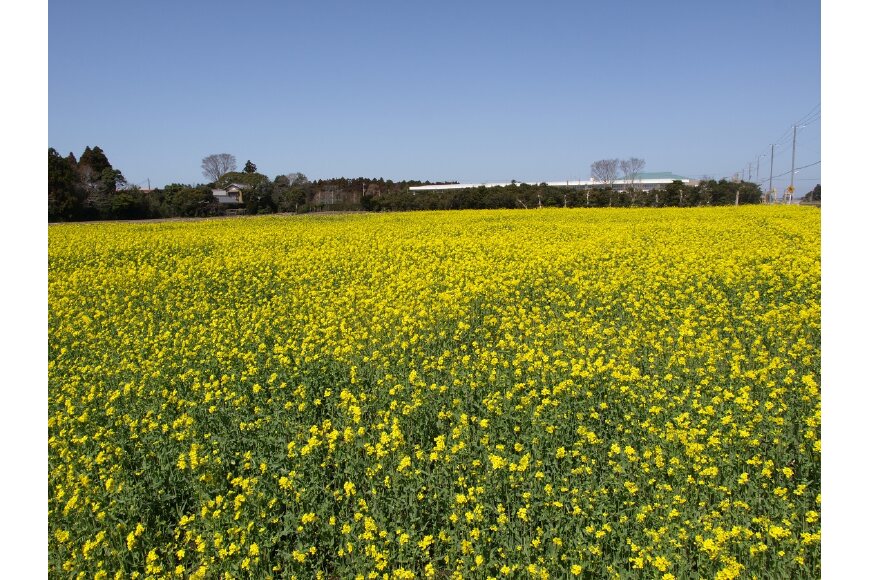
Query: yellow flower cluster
[{"x": 544, "y": 394}]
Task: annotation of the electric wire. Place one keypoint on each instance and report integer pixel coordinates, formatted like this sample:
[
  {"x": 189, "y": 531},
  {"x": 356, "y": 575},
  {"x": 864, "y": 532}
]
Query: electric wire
[
  {"x": 812, "y": 116},
  {"x": 796, "y": 169}
]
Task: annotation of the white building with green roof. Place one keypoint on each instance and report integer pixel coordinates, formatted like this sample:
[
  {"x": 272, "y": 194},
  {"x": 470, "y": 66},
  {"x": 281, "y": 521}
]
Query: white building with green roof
[{"x": 645, "y": 181}]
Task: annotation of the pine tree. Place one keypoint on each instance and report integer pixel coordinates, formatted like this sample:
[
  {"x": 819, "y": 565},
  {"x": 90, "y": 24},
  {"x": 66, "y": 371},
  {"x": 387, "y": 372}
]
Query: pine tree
[
  {"x": 95, "y": 159},
  {"x": 65, "y": 192}
]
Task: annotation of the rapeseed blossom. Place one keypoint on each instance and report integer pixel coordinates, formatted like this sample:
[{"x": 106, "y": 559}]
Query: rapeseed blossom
[{"x": 465, "y": 394}]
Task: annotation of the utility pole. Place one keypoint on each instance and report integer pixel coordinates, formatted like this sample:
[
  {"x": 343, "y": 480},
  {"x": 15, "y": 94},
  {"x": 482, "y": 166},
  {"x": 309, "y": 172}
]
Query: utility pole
[
  {"x": 770, "y": 181},
  {"x": 793, "y": 144}
]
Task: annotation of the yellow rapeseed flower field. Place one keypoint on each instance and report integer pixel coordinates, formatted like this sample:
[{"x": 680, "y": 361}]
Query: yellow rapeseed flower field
[{"x": 551, "y": 393}]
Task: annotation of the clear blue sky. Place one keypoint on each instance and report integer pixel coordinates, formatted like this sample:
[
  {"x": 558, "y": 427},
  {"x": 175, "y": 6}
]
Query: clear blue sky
[{"x": 467, "y": 91}]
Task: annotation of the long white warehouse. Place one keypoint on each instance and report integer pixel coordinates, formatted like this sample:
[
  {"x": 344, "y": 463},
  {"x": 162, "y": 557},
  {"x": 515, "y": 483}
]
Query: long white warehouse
[{"x": 646, "y": 181}]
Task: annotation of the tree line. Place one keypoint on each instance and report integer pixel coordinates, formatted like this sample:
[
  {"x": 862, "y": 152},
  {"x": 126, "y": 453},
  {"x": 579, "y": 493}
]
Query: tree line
[
  {"x": 90, "y": 188},
  {"x": 526, "y": 196}
]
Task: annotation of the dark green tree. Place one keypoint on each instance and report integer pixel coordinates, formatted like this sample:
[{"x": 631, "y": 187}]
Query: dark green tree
[
  {"x": 750, "y": 193},
  {"x": 95, "y": 160},
  {"x": 101, "y": 182},
  {"x": 242, "y": 178},
  {"x": 814, "y": 195},
  {"x": 289, "y": 194},
  {"x": 102, "y": 190},
  {"x": 260, "y": 198},
  {"x": 187, "y": 201},
  {"x": 250, "y": 167},
  {"x": 673, "y": 194},
  {"x": 112, "y": 179},
  {"x": 706, "y": 192},
  {"x": 66, "y": 195},
  {"x": 132, "y": 203},
  {"x": 599, "y": 196}
]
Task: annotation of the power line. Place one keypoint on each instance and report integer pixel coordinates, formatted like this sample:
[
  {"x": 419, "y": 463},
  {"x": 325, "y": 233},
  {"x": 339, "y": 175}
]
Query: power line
[
  {"x": 810, "y": 114},
  {"x": 783, "y": 139},
  {"x": 796, "y": 169},
  {"x": 811, "y": 117},
  {"x": 809, "y": 148},
  {"x": 812, "y": 120}
]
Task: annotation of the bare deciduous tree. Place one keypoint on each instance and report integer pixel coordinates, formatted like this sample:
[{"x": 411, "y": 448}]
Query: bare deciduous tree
[
  {"x": 604, "y": 170},
  {"x": 217, "y": 165},
  {"x": 630, "y": 169},
  {"x": 297, "y": 178}
]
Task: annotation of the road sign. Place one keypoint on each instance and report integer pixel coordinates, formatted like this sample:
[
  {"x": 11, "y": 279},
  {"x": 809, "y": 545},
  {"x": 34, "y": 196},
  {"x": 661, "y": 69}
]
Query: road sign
[{"x": 790, "y": 189}]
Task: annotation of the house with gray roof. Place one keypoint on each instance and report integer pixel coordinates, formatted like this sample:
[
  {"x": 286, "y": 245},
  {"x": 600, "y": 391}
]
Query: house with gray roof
[{"x": 231, "y": 194}]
